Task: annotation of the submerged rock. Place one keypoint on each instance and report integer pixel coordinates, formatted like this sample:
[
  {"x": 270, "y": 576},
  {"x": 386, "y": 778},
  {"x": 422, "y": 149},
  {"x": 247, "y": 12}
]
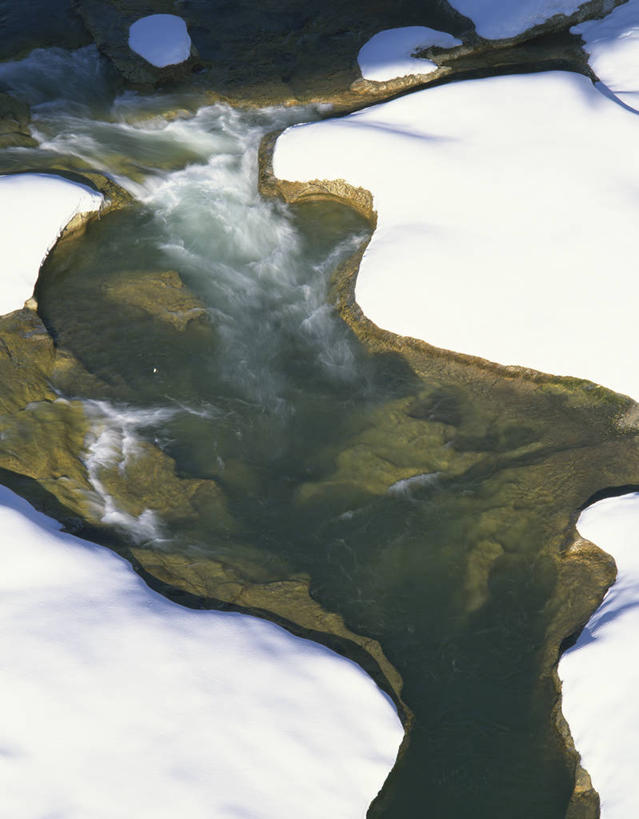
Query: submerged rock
[
  {"x": 14, "y": 123},
  {"x": 46, "y": 438},
  {"x": 162, "y": 295}
]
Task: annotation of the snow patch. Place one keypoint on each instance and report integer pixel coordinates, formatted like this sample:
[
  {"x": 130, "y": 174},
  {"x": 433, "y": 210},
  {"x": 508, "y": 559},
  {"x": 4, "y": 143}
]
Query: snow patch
[
  {"x": 119, "y": 703},
  {"x": 506, "y": 224},
  {"x": 600, "y": 673},
  {"x": 34, "y": 210},
  {"x": 499, "y": 19},
  {"x": 613, "y": 48},
  {"x": 389, "y": 54},
  {"x": 161, "y": 39}
]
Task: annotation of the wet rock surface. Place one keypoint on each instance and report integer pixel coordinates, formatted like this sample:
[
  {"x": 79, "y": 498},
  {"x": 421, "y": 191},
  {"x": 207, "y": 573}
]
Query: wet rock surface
[
  {"x": 14, "y": 123},
  {"x": 161, "y": 294}
]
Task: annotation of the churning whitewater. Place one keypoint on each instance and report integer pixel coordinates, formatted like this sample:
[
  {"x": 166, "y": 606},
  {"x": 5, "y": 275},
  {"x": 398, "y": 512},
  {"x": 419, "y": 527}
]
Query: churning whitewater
[{"x": 194, "y": 177}]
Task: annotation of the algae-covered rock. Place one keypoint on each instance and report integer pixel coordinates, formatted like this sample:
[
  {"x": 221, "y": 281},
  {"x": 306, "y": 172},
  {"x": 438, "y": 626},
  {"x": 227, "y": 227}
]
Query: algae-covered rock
[
  {"x": 46, "y": 437},
  {"x": 14, "y": 123},
  {"x": 162, "y": 295},
  {"x": 147, "y": 480},
  {"x": 27, "y": 354},
  {"x": 41, "y": 436}
]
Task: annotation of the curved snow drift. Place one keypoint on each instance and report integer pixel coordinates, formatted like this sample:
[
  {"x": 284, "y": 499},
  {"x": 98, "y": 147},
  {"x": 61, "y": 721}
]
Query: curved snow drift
[
  {"x": 34, "y": 210},
  {"x": 118, "y": 702},
  {"x": 600, "y": 672},
  {"x": 389, "y": 54}
]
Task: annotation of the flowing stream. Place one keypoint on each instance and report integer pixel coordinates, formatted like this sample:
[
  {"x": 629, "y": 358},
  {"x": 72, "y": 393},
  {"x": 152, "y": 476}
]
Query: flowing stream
[
  {"x": 277, "y": 355},
  {"x": 269, "y": 395}
]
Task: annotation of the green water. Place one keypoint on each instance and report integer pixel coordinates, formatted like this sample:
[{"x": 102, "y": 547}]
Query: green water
[{"x": 314, "y": 440}]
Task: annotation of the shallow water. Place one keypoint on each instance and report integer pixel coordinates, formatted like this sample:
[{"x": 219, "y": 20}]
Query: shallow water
[{"x": 272, "y": 397}]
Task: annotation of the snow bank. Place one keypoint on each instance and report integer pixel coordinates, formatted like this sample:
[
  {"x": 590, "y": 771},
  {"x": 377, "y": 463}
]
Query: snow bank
[
  {"x": 388, "y": 54},
  {"x": 34, "y": 210},
  {"x": 613, "y": 48},
  {"x": 506, "y": 224},
  {"x": 162, "y": 39},
  {"x": 119, "y": 703},
  {"x": 600, "y": 674},
  {"x": 498, "y": 19}
]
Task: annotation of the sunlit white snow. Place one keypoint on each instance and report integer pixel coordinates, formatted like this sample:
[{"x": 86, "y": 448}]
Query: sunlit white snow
[
  {"x": 613, "y": 48},
  {"x": 118, "y": 703},
  {"x": 600, "y": 674},
  {"x": 34, "y": 210},
  {"x": 389, "y": 54},
  {"x": 507, "y": 211},
  {"x": 498, "y": 19},
  {"x": 162, "y": 39}
]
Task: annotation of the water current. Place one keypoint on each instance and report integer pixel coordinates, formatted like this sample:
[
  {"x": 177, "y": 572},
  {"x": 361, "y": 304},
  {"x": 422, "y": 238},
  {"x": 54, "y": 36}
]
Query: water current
[{"x": 271, "y": 396}]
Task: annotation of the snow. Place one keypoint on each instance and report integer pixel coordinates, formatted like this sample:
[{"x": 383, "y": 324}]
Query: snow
[
  {"x": 34, "y": 210},
  {"x": 498, "y": 19},
  {"x": 600, "y": 674},
  {"x": 613, "y": 48},
  {"x": 388, "y": 54},
  {"x": 506, "y": 224},
  {"x": 162, "y": 39},
  {"x": 118, "y": 703}
]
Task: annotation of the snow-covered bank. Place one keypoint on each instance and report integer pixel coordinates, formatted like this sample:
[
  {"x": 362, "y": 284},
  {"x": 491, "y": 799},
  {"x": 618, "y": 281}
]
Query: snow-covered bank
[
  {"x": 117, "y": 702},
  {"x": 498, "y": 19},
  {"x": 389, "y": 54},
  {"x": 506, "y": 223},
  {"x": 600, "y": 673},
  {"x": 613, "y": 48},
  {"x": 161, "y": 39},
  {"x": 34, "y": 210}
]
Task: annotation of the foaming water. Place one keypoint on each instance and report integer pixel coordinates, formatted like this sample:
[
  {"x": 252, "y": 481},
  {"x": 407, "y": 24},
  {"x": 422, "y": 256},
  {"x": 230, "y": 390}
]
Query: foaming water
[
  {"x": 113, "y": 443},
  {"x": 249, "y": 259}
]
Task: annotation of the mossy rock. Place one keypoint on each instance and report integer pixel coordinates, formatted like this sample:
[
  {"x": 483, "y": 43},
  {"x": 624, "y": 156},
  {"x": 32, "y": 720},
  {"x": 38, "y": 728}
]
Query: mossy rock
[
  {"x": 14, "y": 123},
  {"x": 162, "y": 295}
]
